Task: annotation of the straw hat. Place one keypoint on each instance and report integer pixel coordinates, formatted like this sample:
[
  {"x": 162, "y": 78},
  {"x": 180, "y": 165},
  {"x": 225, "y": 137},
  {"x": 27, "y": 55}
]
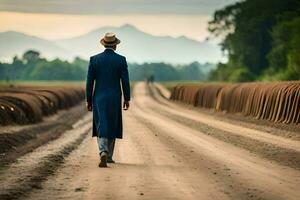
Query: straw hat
[{"x": 110, "y": 39}]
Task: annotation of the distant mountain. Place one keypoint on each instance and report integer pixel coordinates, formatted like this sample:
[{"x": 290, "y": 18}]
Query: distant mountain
[
  {"x": 138, "y": 46},
  {"x": 15, "y": 43}
]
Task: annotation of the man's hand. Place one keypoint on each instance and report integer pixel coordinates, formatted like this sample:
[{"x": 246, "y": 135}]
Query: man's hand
[
  {"x": 126, "y": 105},
  {"x": 89, "y": 106}
]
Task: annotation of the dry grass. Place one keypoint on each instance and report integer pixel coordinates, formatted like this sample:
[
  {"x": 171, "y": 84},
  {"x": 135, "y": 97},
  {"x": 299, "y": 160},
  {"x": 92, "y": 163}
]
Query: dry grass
[
  {"x": 277, "y": 102},
  {"x": 28, "y": 103}
]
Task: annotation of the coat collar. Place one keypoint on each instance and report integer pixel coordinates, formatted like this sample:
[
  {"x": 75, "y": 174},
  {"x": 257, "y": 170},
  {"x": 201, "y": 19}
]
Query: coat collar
[{"x": 109, "y": 50}]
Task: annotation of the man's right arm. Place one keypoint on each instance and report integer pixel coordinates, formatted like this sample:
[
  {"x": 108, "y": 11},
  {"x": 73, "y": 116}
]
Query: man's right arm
[{"x": 90, "y": 85}]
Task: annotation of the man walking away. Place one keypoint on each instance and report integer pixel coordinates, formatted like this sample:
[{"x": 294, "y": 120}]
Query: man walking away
[{"x": 108, "y": 70}]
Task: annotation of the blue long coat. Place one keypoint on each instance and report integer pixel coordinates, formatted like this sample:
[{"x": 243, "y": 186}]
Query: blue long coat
[{"x": 108, "y": 70}]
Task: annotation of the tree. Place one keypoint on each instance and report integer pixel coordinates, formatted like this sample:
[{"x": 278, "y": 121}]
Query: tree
[
  {"x": 192, "y": 72},
  {"x": 57, "y": 70},
  {"x": 31, "y": 57},
  {"x": 284, "y": 57},
  {"x": 246, "y": 31}
]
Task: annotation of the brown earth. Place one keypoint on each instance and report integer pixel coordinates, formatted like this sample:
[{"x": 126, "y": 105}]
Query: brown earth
[
  {"x": 168, "y": 152},
  {"x": 16, "y": 141}
]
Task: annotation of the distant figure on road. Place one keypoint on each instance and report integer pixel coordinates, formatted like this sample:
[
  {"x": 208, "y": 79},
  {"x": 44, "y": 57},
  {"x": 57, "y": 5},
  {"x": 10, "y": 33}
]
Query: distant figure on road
[
  {"x": 107, "y": 70},
  {"x": 150, "y": 79}
]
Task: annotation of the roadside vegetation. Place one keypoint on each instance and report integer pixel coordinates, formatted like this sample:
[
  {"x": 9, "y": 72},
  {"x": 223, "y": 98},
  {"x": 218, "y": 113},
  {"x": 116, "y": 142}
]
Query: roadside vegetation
[
  {"x": 29, "y": 103},
  {"x": 261, "y": 40},
  {"x": 32, "y": 67},
  {"x": 258, "y": 100}
]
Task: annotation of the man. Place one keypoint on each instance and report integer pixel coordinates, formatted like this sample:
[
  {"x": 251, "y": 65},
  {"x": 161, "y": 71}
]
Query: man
[{"x": 108, "y": 70}]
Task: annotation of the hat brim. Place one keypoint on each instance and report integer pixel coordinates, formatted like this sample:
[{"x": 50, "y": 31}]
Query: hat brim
[{"x": 116, "y": 42}]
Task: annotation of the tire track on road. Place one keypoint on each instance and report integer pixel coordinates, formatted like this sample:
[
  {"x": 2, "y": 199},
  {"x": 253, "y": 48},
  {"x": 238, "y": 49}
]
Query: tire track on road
[
  {"x": 229, "y": 127},
  {"x": 283, "y": 130},
  {"x": 222, "y": 176},
  {"x": 249, "y": 171},
  {"x": 284, "y": 156},
  {"x": 145, "y": 168}
]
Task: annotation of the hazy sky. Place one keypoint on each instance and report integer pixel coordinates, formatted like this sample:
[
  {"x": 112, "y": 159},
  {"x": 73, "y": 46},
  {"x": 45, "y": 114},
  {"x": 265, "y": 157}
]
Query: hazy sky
[{"x": 54, "y": 19}]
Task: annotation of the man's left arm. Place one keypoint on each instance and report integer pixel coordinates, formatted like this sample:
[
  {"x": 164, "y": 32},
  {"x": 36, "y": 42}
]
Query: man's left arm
[{"x": 125, "y": 84}]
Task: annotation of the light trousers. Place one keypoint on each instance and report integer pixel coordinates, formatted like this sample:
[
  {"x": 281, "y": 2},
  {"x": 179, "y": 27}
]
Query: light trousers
[{"x": 107, "y": 145}]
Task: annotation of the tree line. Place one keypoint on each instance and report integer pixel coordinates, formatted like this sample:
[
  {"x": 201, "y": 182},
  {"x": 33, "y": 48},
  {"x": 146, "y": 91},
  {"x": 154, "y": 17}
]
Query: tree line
[
  {"x": 31, "y": 66},
  {"x": 167, "y": 72},
  {"x": 261, "y": 40}
]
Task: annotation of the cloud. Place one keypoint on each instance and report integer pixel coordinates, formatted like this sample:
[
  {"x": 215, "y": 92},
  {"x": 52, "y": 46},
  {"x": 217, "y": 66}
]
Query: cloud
[{"x": 204, "y": 7}]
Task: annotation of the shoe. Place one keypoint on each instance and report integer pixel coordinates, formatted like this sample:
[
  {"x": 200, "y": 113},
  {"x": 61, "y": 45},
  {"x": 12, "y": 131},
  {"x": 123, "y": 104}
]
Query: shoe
[
  {"x": 103, "y": 159},
  {"x": 110, "y": 160}
]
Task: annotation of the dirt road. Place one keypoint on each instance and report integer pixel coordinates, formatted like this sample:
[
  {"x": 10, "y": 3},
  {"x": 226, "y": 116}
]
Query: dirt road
[{"x": 168, "y": 152}]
